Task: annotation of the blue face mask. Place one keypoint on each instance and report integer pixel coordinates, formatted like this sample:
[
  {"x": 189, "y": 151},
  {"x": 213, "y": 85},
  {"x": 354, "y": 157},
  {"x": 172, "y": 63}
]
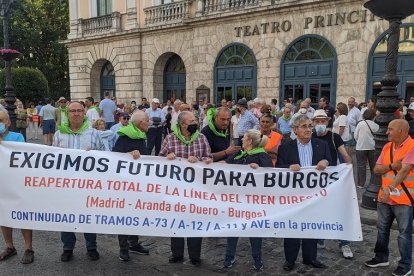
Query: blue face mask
[
  {"x": 2, "y": 128},
  {"x": 320, "y": 129}
]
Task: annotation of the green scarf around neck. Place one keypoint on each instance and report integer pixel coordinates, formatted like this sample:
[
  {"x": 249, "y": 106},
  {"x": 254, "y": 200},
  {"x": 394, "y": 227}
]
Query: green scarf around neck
[
  {"x": 285, "y": 119},
  {"x": 64, "y": 109},
  {"x": 249, "y": 152},
  {"x": 212, "y": 126},
  {"x": 177, "y": 132},
  {"x": 132, "y": 132},
  {"x": 65, "y": 127}
]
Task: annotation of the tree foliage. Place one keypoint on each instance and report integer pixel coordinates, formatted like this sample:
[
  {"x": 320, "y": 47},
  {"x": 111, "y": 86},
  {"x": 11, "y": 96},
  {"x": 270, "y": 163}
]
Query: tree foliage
[
  {"x": 37, "y": 29},
  {"x": 28, "y": 83}
]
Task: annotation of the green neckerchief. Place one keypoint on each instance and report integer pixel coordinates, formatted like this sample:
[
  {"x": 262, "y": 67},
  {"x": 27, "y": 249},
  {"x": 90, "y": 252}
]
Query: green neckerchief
[
  {"x": 177, "y": 132},
  {"x": 95, "y": 107},
  {"x": 249, "y": 152},
  {"x": 64, "y": 109},
  {"x": 65, "y": 128},
  {"x": 283, "y": 118},
  {"x": 212, "y": 126},
  {"x": 132, "y": 132}
]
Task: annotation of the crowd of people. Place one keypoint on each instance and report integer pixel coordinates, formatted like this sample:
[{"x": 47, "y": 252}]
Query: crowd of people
[{"x": 242, "y": 132}]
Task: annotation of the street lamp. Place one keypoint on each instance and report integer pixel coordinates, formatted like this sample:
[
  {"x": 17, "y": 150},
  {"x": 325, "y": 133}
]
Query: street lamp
[
  {"x": 387, "y": 101},
  {"x": 9, "y": 95}
]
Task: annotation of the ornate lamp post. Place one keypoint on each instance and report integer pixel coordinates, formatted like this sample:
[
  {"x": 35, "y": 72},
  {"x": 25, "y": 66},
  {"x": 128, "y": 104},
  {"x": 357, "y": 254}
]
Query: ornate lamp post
[
  {"x": 387, "y": 102},
  {"x": 8, "y": 55}
]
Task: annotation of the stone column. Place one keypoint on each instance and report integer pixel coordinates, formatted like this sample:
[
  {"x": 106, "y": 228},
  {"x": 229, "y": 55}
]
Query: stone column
[
  {"x": 73, "y": 19},
  {"x": 116, "y": 22},
  {"x": 200, "y": 7},
  {"x": 131, "y": 9}
]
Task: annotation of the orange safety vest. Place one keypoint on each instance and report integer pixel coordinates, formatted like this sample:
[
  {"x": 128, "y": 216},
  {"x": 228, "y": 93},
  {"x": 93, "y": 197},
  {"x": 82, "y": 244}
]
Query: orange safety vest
[
  {"x": 35, "y": 117},
  {"x": 273, "y": 142},
  {"x": 389, "y": 176}
]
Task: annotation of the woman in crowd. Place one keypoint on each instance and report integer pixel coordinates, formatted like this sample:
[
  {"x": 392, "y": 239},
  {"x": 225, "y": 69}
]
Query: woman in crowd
[
  {"x": 21, "y": 119},
  {"x": 31, "y": 112},
  {"x": 254, "y": 155},
  {"x": 266, "y": 125},
  {"x": 106, "y": 135},
  {"x": 364, "y": 136},
  {"x": 341, "y": 124}
]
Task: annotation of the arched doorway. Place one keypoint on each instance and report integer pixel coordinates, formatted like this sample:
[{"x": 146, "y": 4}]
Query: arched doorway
[
  {"x": 107, "y": 80},
  {"x": 174, "y": 79},
  {"x": 235, "y": 73},
  {"x": 308, "y": 70},
  {"x": 405, "y": 66}
]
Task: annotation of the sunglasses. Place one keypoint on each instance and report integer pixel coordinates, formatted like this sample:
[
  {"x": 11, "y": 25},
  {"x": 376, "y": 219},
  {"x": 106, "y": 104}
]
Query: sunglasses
[{"x": 125, "y": 118}]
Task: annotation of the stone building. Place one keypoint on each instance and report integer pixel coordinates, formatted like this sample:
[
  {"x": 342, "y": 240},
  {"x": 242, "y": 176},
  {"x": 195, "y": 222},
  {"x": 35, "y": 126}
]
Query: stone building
[{"x": 195, "y": 49}]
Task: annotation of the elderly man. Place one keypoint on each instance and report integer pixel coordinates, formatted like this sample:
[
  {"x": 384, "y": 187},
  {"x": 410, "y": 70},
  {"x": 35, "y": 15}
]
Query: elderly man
[
  {"x": 304, "y": 151},
  {"x": 61, "y": 111},
  {"x": 394, "y": 202},
  {"x": 76, "y": 134},
  {"x": 338, "y": 152},
  {"x": 247, "y": 120},
  {"x": 123, "y": 121},
  {"x": 186, "y": 142},
  {"x": 132, "y": 139},
  {"x": 218, "y": 134},
  {"x": 284, "y": 125},
  {"x": 28, "y": 256},
  {"x": 157, "y": 119}
]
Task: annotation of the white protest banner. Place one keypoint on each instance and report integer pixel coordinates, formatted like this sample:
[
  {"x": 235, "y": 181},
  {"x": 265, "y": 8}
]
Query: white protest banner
[{"x": 48, "y": 188}]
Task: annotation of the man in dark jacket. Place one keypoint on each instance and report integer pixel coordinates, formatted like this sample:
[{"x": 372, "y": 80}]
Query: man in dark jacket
[
  {"x": 132, "y": 139},
  {"x": 304, "y": 151},
  {"x": 218, "y": 134}
]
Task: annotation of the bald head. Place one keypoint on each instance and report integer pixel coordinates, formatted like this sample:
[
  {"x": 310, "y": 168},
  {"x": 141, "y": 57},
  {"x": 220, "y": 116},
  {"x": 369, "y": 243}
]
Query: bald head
[
  {"x": 397, "y": 131},
  {"x": 140, "y": 119}
]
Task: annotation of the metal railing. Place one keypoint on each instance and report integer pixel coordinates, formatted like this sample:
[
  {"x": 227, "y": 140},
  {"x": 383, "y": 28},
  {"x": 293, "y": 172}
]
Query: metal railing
[{"x": 167, "y": 13}]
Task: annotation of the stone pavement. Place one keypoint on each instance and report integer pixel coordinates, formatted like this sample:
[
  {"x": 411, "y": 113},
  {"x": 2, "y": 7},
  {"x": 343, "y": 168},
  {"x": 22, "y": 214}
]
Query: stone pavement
[{"x": 47, "y": 247}]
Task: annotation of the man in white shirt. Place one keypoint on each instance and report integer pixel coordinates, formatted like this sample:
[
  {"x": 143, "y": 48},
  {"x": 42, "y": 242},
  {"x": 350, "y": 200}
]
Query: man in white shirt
[
  {"x": 176, "y": 112},
  {"x": 47, "y": 116},
  {"x": 354, "y": 114},
  {"x": 92, "y": 112}
]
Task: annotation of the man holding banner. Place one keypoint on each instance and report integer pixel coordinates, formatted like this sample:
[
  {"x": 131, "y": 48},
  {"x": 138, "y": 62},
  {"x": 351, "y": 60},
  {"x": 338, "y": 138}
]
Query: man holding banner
[
  {"x": 395, "y": 197},
  {"x": 76, "y": 134},
  {"x": 304, "y": 151},
  {"x": 132, "y": 139},
  {"x": 28, "y": 256},
  {"x": 186, "y": 142}
]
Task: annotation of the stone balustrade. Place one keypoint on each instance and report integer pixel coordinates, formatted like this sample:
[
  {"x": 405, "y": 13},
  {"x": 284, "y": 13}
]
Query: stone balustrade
[
  {"x": 213, "y": 6},
  {"x": 100, "y": 25},
  {"x": 167, "y": 13}
]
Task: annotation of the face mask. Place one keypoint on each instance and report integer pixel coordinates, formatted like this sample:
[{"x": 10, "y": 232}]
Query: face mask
[
  {"x": 303, "y": 110},
  {"x": 320, "y": 129},
  {"x": 2, "y": 128},
  {"x": 192, "y": 128}
]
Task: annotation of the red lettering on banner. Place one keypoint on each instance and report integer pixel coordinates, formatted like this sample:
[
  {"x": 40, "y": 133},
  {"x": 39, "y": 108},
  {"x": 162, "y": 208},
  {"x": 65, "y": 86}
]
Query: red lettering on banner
[
  {"x": 154, "y": 188},
  {"x": 262, "y": 199},
  {"x": 65, "y": 183},
  {"x": 230, "y": 198},
  {"x": 175, "y": 191},
  {"x": 153, "y": 206},
  {"x": 199, "y": 194}
]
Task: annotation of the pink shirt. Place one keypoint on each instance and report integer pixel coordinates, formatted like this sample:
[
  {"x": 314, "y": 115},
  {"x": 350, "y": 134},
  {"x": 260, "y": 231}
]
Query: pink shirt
[{"x": 409, "y": 159}]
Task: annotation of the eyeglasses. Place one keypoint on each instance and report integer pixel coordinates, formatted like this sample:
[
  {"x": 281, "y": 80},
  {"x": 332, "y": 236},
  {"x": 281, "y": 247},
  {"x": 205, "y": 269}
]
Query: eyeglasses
[
  {"x": 76, "y": 110},
  {"x": 125, "y": 118},
  {"x": 305, "y": 126}
]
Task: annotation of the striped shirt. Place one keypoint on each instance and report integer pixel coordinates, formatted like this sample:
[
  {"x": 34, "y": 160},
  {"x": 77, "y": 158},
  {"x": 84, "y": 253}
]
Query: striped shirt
[
  {"x": 200, "y": 148},
  {"x": 88, "y": 140},
  {"x": 305, "y": 153},
  {"x": 247, "y": 121}
]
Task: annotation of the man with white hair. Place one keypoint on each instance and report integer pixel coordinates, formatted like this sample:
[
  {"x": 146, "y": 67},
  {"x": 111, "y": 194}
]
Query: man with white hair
[
  {"x": 176, "y": 111},
  {"x": 157, "y": 119},
  {"x": 354, "y": 115}
]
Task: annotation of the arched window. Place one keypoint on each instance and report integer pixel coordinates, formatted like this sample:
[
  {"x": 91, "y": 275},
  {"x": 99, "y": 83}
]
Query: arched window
[
  {"x": 405, "y": 67},
  {"x": 174, "y": 79},
  {"x": 107, "y": 79},
  {"x": 308, "y": 70},
  {"x": 235, "y": 73}
]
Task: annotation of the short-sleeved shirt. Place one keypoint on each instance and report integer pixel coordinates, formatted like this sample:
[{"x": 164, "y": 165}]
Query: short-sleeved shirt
[
  {"x": 13, "y": 137},
  {"x": 409, "y": 159},
  {"x": 334, "y": 142},
  {"x": 108, "y": 108},
  {"x": 342, "y": 121},
  {"x": 217, "y": 143},
  {"x": 47, "y": 112}
]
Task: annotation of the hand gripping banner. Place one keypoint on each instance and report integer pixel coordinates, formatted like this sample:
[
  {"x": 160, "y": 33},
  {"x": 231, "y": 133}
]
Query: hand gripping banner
[{"x": 55, "y": 189}]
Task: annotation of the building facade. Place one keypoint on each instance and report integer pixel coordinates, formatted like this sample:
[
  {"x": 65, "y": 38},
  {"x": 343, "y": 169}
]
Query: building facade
[{"x": 214, "y": 49}]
